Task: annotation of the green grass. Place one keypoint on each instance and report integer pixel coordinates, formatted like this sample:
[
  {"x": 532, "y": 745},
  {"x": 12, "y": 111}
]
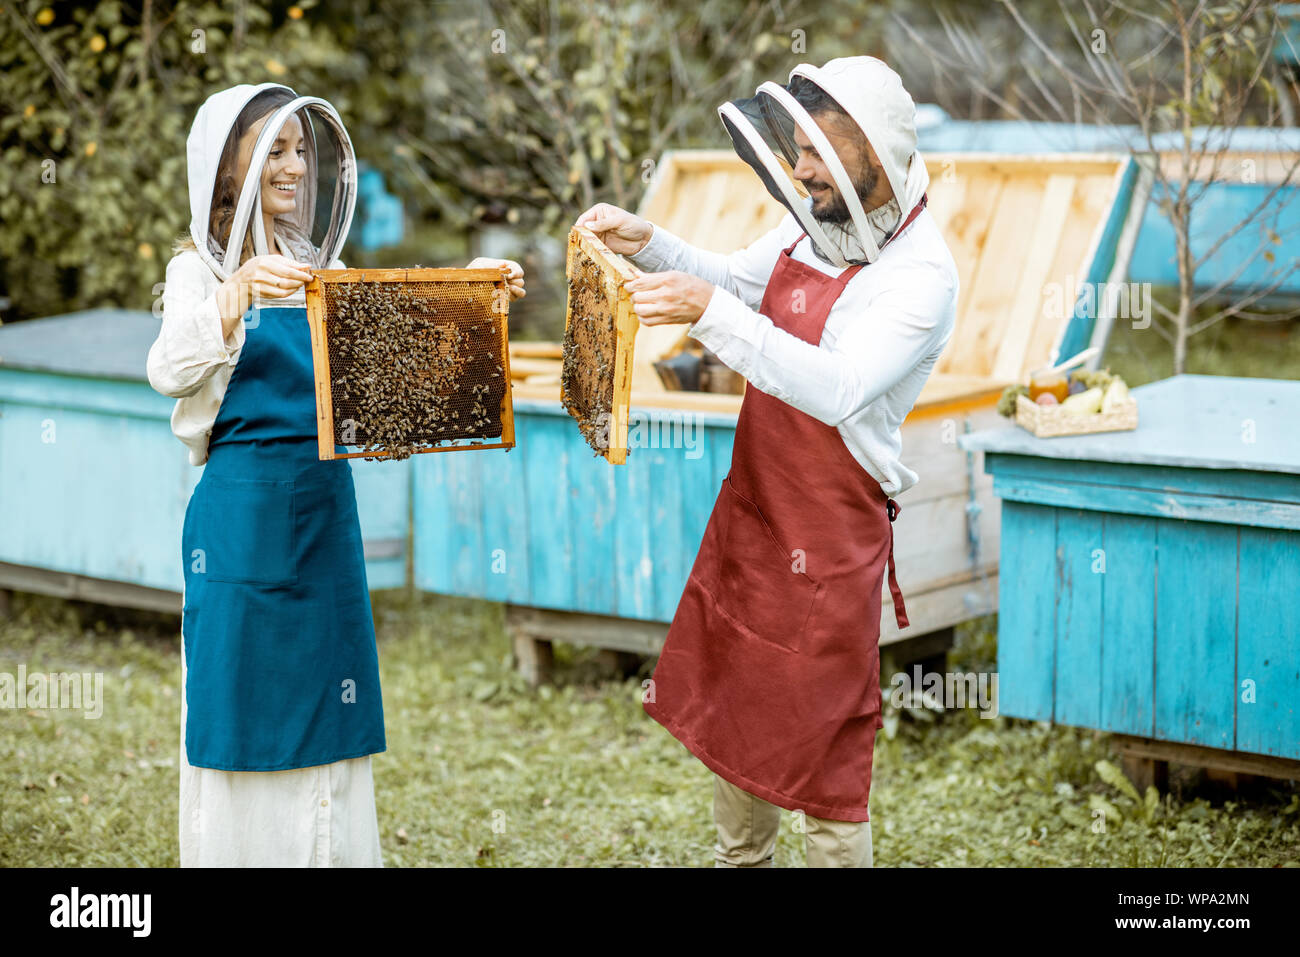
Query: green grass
[
  {"x": 1232, "y": 347},
  {"x": 480, "y": 770}
]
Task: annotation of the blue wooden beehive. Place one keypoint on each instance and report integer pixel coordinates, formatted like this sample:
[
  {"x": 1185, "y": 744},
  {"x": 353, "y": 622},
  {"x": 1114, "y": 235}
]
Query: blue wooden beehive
[
  {"x": 93, "y": 484},
  {"x": 1150, "y": 580}
]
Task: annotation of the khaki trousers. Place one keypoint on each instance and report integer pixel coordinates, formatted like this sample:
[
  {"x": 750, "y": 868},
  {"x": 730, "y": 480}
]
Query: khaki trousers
[{"x": 747, "y": 829}]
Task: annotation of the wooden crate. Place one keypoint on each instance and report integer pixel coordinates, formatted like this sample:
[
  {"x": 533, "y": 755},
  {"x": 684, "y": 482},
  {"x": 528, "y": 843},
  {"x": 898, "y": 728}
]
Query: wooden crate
[
  {"x": 1045, "y": 421},
  {"x": 1148, "y": 580},
  {"x": 466, "y": 323},
  {"x": 600, "y": 331}
]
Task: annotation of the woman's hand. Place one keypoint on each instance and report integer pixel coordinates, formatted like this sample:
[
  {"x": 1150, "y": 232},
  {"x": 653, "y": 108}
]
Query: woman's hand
[
  {"x": 515, "y": 280},
  {"x": 262, "y": 277},
  {"x": 623, "y": 232}
]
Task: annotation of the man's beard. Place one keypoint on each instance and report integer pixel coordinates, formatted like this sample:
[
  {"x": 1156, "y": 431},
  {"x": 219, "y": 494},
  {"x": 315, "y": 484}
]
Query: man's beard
[{"x": 837, "y": 210}]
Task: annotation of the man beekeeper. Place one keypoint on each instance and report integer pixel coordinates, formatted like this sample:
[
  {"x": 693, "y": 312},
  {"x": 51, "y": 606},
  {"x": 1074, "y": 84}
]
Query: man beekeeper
[{"x": 770, "y": 674}]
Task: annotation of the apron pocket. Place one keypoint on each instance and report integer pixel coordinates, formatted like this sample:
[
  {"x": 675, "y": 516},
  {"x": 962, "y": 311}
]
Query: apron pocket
[
  {"x": 758, "y": 587},
  {"x": 246, "y": 530}
]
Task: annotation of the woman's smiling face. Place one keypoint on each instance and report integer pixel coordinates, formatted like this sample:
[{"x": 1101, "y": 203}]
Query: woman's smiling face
[{"x": 285, "y": 165}]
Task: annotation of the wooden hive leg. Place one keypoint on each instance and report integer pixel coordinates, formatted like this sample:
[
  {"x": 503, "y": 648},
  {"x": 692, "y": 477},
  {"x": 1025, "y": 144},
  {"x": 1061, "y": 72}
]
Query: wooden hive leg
[
  {"x": 623, "y": 664},
  {"x": 534, "y": 657},
  {"x": 930, "y": 651},
  {"x": 1144, "y": 770}
]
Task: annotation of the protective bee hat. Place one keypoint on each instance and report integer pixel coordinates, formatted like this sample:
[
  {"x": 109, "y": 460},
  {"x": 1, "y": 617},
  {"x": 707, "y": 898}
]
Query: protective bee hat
[
  {"x": 762, "y": 130},
  {"x": 325, "y": 198}
]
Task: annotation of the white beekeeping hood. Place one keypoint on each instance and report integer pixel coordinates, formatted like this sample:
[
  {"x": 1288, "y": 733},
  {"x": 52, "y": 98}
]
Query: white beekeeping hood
[
  {"x": 329, "y": 187},
  {"x": 762, "y": 131}
]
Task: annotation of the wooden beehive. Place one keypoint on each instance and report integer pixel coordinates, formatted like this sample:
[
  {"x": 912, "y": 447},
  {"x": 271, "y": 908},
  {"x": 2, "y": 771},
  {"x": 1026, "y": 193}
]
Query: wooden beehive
[
  {"x": 599, "y": 334},
  {"x": 1018, "y": 227},
  {"x": 431, "y": 375}
]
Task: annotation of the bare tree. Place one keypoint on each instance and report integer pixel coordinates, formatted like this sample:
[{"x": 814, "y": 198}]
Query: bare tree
[{"x": 1186, "y": 74}]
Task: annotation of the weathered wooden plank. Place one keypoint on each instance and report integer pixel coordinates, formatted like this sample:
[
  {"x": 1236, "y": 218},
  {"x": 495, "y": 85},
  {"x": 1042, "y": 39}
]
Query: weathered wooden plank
[
  {"x": 931, "y": 542},
  {"x": 1268, "y": 642},
  {"x": 699, "y": 493},
  {"x": 465, "y": 503},
  {"x": 1079, "y": 553},
  {"x": 1195, "y": 625},
  {"x": 1093, "y": 197},
  {"x": 1240, "y": 483},
  {"x": 668, "y": 472},
  {"x": 124, "y": 529},
  {"x": 597, "y": 511},
  {"x": 634, "y": 545},
  {"x": 504, "y": 516},
  {"x": 938, "y": 608},
  {"x": 1128, "y": 639},
  {"x": 1026, "y": 312},
  {"x": 1181, "y": 505},
  {"x": 969, "y": 240},
  {"x": 1027, "y": 581},
  {"x": 383, "y": 492},
  {"x": 550, "y": 522},
  {"x": 69, "y": 393}
]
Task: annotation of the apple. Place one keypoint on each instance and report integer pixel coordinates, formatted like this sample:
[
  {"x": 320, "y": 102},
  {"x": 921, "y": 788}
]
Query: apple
[{"x": 1047, "y": 398}]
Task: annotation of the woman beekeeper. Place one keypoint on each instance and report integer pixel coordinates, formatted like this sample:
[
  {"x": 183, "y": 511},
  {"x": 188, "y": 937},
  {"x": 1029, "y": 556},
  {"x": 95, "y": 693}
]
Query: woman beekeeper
[
  {"x": 770, "y": 673},
  {"x": 280, "y": 705}
]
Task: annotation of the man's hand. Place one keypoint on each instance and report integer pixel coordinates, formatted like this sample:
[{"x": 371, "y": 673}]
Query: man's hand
[
  {"x": 515, "y": 280},
  {"x": 664, "y": 297},
  {"x": 623, "y": 232}
]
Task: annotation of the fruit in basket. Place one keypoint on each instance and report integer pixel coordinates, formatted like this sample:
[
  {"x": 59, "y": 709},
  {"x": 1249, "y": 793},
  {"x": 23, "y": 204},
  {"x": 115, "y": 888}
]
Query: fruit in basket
[
  {"x": 1116, "y": 395},
  {"x": 1007, "y": 403},
  {"x": 1087, "y": 402},
  {"x": 1047, "y": 398},
  {"x": 1093, "y": 378},
  {"x": 1076, "y": 385}
]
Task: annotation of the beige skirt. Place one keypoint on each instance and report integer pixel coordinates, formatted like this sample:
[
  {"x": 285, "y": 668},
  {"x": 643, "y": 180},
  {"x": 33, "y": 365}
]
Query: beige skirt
[{"x": 309, "y": 817}]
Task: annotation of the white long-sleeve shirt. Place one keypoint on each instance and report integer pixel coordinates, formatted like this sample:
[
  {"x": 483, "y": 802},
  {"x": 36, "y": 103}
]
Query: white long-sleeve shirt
[
  {"x": 879, "y": 345},
  {"x": 191, "y": 359}
]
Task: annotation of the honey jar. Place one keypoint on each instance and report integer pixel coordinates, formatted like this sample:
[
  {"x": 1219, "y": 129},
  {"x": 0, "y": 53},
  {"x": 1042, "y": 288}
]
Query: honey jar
[{"x": 1057, "y": 383}]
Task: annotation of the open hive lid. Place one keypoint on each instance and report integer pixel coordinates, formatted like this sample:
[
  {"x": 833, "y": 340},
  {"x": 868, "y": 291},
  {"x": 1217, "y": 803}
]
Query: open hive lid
[{"x": 1026, "y": 232}]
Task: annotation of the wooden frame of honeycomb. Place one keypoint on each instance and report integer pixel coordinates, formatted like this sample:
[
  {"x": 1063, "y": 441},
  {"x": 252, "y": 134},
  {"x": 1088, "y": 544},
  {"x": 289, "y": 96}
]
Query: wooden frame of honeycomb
[
  {"x": 599, "y": 336},
  {"x": 462, "y": 318}
]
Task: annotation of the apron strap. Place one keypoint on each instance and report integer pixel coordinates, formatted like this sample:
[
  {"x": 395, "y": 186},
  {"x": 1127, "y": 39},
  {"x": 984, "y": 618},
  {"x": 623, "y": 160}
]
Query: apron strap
[
  {"x": 900, "y": 609},
  {"x": 844, "y": 277}
]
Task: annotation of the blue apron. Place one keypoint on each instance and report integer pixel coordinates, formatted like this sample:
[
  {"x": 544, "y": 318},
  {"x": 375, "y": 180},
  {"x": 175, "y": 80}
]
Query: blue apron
[{"x": 282, "y": 670}]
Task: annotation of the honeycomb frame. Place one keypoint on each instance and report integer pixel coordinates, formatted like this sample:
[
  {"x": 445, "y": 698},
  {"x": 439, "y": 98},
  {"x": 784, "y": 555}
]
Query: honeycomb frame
[
  {"x": 589, "y": 260},
  {"x": 445, "y": 283}
]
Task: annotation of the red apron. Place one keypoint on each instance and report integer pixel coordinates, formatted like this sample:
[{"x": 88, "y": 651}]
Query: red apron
[{"x": 770, "y": 673}]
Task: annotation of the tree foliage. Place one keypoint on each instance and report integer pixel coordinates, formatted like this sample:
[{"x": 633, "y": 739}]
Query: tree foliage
[
  {"x": 522, "y": 112},
  {"x": 97, "y": 105}
]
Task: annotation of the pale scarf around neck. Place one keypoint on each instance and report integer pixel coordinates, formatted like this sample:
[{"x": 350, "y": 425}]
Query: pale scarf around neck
[{"x": 882, "y": 220}]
